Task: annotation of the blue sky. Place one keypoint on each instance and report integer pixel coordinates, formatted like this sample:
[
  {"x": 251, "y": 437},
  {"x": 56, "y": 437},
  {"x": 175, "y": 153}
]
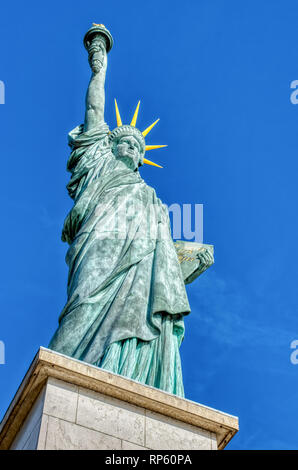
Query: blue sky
[{"x": 218, "y": 74}]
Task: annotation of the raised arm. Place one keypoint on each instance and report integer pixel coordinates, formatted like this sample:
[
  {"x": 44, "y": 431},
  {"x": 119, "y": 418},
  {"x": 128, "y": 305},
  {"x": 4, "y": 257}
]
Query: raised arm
[{"x": 95, "y": 97}]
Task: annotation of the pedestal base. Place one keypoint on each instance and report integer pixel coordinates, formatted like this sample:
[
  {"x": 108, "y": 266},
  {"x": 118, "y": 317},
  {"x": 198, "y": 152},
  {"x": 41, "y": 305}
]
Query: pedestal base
[{"x": 67, "y": 404}]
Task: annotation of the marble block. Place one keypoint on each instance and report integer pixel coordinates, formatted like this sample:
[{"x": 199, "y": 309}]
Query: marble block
[{"x": 66, "y": 404}]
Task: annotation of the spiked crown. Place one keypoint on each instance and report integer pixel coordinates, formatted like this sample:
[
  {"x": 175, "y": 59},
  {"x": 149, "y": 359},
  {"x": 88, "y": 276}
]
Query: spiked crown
[{"x": 130, "y": 129}]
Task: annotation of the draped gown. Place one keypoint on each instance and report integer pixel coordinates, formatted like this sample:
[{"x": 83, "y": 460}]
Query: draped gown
[{"x": 126, "y": 295}]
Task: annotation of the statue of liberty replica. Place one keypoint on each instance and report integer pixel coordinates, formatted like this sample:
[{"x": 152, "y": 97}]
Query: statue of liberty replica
[{"x": 126, "y": 287}]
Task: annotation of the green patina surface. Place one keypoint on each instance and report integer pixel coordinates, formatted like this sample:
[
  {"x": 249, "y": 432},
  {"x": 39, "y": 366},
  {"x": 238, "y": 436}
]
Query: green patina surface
[{"x": 126, "y": 293}]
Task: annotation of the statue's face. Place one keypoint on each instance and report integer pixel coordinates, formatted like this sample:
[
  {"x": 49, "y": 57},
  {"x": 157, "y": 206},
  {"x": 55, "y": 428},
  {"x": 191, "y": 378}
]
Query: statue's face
[
  {"x": 97, "y": 55},
  {"x": 129, "y": 149}
]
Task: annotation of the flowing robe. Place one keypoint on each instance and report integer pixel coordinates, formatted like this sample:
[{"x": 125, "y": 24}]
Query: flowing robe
[{"x": 126, "y": 294}]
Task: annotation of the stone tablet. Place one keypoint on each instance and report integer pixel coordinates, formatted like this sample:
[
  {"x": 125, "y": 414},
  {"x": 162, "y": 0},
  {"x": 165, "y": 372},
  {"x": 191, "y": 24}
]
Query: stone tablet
[{"x": 194, "y": 259}]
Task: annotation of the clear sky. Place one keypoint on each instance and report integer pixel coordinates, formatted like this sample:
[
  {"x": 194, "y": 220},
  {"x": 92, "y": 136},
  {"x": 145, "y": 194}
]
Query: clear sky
[{"x": 218, "y": 74}]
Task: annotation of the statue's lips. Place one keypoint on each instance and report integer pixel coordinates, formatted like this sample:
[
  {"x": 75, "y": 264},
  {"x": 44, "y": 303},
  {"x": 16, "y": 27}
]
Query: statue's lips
[{"x": 130, "y": 153}]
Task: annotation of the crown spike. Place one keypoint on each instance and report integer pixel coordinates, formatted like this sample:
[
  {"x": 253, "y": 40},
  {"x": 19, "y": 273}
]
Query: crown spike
[
  {"x": 146, "y": 131},
  {"x": 153, "y": 147},
  {"x": 148, "y": 162},
  {"x": 135, "y": 116},
  {"x": 118, "y": 117}
]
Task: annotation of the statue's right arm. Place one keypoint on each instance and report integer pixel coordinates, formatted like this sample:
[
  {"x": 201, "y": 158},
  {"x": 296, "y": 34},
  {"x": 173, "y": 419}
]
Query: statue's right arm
[{"x": 95, "y": 97}]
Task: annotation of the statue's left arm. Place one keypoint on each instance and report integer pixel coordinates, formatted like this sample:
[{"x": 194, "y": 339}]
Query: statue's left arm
[{"x": 95, "y": 97}]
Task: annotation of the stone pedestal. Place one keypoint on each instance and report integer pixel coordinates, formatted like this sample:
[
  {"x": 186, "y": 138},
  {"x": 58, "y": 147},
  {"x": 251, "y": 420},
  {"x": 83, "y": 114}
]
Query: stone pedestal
[{"x": 63, "y": 403}]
